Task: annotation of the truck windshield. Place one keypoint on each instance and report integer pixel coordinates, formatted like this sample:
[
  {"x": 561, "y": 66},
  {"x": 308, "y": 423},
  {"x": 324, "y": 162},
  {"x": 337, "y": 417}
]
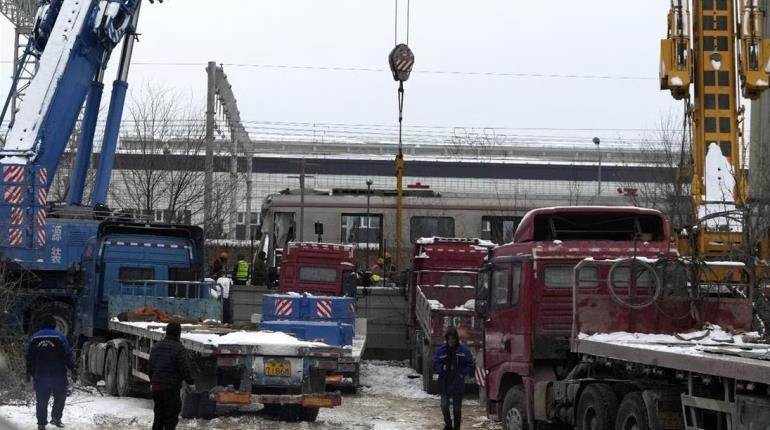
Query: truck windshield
[{"x": 318, "y": 274}]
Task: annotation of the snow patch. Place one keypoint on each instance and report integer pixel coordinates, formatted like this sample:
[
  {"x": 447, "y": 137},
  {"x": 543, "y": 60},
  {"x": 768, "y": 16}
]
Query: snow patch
[{"x": 382, "y": 378}]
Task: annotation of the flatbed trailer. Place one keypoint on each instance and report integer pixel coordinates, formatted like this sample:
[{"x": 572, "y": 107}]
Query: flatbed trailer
[{"x": 233, "y": 369}]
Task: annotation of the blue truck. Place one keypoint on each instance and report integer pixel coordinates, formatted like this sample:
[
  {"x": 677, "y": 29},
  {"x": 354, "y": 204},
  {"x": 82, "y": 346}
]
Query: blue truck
[{"x": 129, "y": 267}]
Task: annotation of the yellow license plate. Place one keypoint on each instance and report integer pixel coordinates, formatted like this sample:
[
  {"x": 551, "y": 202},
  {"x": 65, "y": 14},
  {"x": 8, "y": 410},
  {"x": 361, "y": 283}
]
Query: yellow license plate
[{"x": 279, "y": 368}]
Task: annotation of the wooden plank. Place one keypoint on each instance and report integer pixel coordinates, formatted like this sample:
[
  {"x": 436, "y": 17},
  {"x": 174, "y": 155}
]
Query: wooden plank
[{"x": 141, "y": 354}]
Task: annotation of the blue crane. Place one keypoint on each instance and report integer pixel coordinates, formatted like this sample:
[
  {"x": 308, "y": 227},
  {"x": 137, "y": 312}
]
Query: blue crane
[{"x": 73, "y": 41}]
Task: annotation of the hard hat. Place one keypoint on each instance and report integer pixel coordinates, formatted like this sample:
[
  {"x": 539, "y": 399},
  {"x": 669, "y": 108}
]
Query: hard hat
[
  {"x": 387, "y": 255},
  {"x": 380, "y": 261},
  {"x": 223, "y": 254}
]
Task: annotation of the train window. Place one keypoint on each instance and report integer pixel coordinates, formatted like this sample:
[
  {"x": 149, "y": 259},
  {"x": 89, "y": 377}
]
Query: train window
[
  {"x": 318, "y": 274},
  {"x": 499, "y": 229},
  {"x": 361, "y": 229},
  {"x": 458, "y": 279},
  {"x": 425, "y": 226}
]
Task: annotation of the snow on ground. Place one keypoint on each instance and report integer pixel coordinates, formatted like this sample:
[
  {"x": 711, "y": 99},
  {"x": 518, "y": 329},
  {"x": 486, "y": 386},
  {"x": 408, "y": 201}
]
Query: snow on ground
[
  {"x": 393, "y": 379},
  {"x": 388, "y": 400}
]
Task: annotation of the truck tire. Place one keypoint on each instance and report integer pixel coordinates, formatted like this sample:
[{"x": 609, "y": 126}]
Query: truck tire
[
  {"x": 61, "y": 312},
  {"x": 289, "y": 413},
  {"x": 123, "y": 374},
  {"x": 84, "y": 376},
  {"x": 417, "y": 353},
  {"x": 597, "y": 408},
  {"x": 190, "y": 403},
  {"x": 632, "y": 413},
  {"x": 308, "y": 414},
  {"x": 514, "y": 412},
  {"x": 111, "y": 372},
  {"x": 428, "y": 384}
]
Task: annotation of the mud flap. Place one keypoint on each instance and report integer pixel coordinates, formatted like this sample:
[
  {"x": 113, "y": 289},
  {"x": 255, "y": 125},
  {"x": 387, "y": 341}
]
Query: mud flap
[{"x": 664, "y": 409}]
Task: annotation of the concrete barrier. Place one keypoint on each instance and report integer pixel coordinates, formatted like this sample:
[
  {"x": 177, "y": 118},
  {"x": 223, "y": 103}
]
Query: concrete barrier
[{"x": 385, "y": 310}]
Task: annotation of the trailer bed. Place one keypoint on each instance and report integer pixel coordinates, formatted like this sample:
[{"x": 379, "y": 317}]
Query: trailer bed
[
  {"x": 206, "y": 339},
  {"x": 715, "y": 355}
]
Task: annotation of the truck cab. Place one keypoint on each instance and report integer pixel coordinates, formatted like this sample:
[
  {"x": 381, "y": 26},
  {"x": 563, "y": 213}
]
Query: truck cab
[
  {"x": 140, "y": 264},
  {"x": 318, "y": 268},
  {"x": 525, "y": 292}
]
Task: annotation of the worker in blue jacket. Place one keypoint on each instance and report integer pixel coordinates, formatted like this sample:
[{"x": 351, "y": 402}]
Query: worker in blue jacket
[
  {"x": 48, "y": 358},
  {"x": 453, "y": 362}
]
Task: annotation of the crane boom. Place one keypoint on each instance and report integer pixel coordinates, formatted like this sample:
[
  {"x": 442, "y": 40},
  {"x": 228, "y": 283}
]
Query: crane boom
[{"x": 724, "y": 51}]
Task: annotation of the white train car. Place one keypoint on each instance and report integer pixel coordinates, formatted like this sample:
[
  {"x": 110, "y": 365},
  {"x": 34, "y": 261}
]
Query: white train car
[{"x": 348, "y": 216}]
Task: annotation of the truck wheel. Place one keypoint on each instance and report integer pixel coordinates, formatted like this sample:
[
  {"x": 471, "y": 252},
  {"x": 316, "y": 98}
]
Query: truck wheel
[
  {"x": 290, "y": 413},
  {"x": 514, "y": 413},
  {"x": 190, "y": 403},
  {"x": 308, "y": 414},
  {"x": 123, "y": 374},
  {"x": 428, "y": 384},
  {"x": 597, "y": 408},
  {"x": 61, "y": 312},
  {"x": 84, "y": 376},
  {"x": 417, "y": 353},
  {"x": 111, "y": 372},
  {"x": 632, "y": 413}
]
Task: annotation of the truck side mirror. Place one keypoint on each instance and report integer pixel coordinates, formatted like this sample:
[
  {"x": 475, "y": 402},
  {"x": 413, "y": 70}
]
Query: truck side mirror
[
  {"x": 349, "y": 284},
  {"x": 481, "y": 307}
]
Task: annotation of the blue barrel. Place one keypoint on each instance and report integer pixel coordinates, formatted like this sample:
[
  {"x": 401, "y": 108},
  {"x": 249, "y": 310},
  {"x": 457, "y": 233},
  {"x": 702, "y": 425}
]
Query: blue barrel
[
  {"x": 336, "y": 309},
  {"x": 330, "y": 333},
  {"x": 276, "y": 307}
]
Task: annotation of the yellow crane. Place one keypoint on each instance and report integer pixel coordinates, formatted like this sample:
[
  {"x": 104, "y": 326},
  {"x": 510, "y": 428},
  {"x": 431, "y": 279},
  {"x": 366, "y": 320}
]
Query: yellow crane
[{"x": 718, "y": 49}]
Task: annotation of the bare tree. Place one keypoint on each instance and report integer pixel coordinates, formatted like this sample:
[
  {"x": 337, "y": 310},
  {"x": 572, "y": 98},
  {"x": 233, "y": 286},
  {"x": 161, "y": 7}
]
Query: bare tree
[
  {"x": 668, "y": 152},
  {"x": 163, "y": 137},
  {"x": 12, "y": 346}
]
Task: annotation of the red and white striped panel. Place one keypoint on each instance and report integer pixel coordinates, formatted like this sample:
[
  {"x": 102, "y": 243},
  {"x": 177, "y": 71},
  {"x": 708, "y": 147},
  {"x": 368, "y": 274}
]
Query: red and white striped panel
[
  {"x": 404, "y": 64},
  {"x": 13, "y": 173},
  {"x": 43, "y": 176},
  {"x": 42, "y": 196},
  {"x": 13, "y": 195},
  {"x": 14, "y": 236},
  {"x": 481, "y": 376},
  {"x": 40, "y": 218},
  {"x": 40, "y": 237},
  {"x": 17, "y": 216},
  {"x": 323, "y": 308},
  {"x": 283, "y": 307}
]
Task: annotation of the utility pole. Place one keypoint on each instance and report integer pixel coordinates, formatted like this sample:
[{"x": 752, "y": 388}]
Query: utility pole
[
  {"x": 599, "y": 172},
  {"x": 209, "y": 165},
  {"x": 369, "y": 183},
  {"x": 233, "y": 187},
  {"x": 303, "y": 165}
]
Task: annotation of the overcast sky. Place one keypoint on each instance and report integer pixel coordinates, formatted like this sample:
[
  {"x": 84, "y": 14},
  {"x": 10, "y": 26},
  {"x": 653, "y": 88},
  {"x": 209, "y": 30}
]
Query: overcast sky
[{"x": 609, "y": 38}]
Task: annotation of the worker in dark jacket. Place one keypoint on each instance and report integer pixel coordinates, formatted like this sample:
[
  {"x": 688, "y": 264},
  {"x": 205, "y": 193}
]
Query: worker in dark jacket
[
  {"x": 169, "y": 367},
  {"x": 453, "y": 362},
  {"x": 48, "y": 358}
]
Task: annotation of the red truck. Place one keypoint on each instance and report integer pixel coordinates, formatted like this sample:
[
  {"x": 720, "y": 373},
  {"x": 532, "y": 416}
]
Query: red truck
[
  {"x": 591, "y": 321},
  {"x": 442, "y": 292},
  {"x": 318, "y": 268},
  {"x": 327, "y": 270}
]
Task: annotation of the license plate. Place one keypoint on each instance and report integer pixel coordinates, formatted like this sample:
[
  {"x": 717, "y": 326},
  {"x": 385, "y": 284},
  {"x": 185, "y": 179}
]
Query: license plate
[{"x": 279, "y": 368}]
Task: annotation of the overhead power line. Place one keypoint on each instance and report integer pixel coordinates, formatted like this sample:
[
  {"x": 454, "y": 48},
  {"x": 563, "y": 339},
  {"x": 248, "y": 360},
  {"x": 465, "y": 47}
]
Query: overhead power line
[{"x": 418, "y": 71}]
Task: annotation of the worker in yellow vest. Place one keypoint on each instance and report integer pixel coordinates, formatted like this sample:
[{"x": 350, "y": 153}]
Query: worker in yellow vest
[{"x": 241, "y": 271}]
